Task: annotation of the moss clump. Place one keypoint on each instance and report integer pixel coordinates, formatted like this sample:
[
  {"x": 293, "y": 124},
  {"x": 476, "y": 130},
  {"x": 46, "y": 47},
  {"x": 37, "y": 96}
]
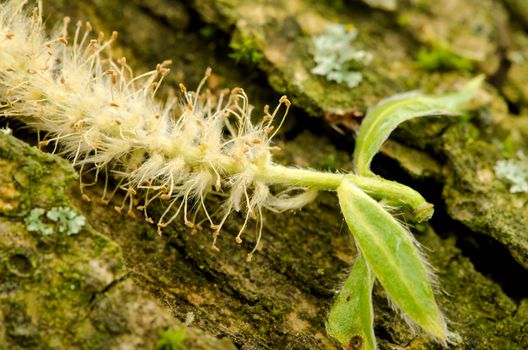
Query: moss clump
[
  {"x": 245, "y": 49},
  {"x": 172, "y": 339},
  {"x": 441, "y": 59}
]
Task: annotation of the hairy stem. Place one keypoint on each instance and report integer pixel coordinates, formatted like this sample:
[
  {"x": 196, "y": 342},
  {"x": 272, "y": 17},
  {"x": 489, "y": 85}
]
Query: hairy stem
[{"x": 377, "y": 187}]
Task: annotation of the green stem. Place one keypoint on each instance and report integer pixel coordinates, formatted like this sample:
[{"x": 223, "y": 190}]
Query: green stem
[{"x": 377, "y": 187}]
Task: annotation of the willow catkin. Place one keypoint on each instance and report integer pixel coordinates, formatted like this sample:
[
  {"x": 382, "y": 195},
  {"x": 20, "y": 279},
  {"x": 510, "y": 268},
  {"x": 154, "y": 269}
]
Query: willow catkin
[{"x": 109, "y": 122}]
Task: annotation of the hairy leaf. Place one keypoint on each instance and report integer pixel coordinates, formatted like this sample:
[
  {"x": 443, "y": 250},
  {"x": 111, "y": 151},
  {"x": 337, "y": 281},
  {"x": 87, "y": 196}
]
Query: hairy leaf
[
  {"x": 392, "y": 256},
  {"x": 350, "y": 320},
  {"x": 383, "y": 118}
]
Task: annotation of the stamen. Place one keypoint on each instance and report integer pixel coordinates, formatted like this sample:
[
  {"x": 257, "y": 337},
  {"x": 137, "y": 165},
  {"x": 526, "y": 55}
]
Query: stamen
[{"x": 259, "y": 235}]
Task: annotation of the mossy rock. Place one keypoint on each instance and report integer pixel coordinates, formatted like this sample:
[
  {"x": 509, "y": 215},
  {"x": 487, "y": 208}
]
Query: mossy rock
[
  {"x": 66, "y": 291},
  {"x": 280, "y": 300}
]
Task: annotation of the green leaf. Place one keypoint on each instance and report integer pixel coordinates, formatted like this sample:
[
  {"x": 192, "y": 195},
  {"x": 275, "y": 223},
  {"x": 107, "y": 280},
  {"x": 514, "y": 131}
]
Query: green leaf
[
  {"x": 392, "y": 256},
  {"x": 350, "y": 320},
  {"x": 383, "y": 118}
]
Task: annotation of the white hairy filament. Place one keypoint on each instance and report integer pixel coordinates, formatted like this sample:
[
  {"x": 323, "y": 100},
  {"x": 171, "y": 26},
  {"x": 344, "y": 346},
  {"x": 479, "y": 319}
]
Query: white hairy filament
[{"x": 108, "y": 122}]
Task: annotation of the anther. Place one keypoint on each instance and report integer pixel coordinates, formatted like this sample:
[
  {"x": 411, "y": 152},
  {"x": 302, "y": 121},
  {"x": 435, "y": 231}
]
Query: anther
[
  {"x": 183, "y": 88},
  {"x": 215, "y": 248},
  {"x": 9, "y": 35},
  {"x": 189, "y": 224},
  {"x": 285, "y": 100},
  {"x": 269, "y": 129},
  {"x": 78, "y": 124},
  {"x": 131, "y": 214},
  {"x": 118, "y": 209},
  {"x": 35, "y": 14},
  {"x": 86, "y": 198}
]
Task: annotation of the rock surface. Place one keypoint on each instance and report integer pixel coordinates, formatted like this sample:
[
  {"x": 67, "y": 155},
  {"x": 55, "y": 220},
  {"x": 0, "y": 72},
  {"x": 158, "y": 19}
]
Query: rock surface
[{"x": 118, "y": 285}]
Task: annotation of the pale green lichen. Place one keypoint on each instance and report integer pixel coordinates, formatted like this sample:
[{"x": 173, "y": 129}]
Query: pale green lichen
[
  {"x": 6, "y": 130},
  {"x": 514, "y": 172},
  {"x": 335, "y": 57},
  {"x": 34, "y": 224},
  {"x": 66, "y": 221}
]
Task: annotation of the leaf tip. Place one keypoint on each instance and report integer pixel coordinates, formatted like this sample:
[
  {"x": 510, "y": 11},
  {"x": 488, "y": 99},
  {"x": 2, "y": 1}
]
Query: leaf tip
[
  {"x": 424, "y": 212},
  {"x": 475, "y": 84}
]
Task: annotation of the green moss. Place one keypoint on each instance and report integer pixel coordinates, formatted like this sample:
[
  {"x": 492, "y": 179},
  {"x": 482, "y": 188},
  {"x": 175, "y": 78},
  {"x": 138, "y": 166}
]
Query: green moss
[
  {"x": 438, "y": 58},
  {"x": 36, "y": 179},
  {"x": 245, "y": 49},
  {"x": 172, "y": 339}
]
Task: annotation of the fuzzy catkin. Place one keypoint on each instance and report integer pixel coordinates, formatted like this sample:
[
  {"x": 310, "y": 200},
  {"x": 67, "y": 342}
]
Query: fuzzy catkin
[{"x": 109, "y": 122}]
